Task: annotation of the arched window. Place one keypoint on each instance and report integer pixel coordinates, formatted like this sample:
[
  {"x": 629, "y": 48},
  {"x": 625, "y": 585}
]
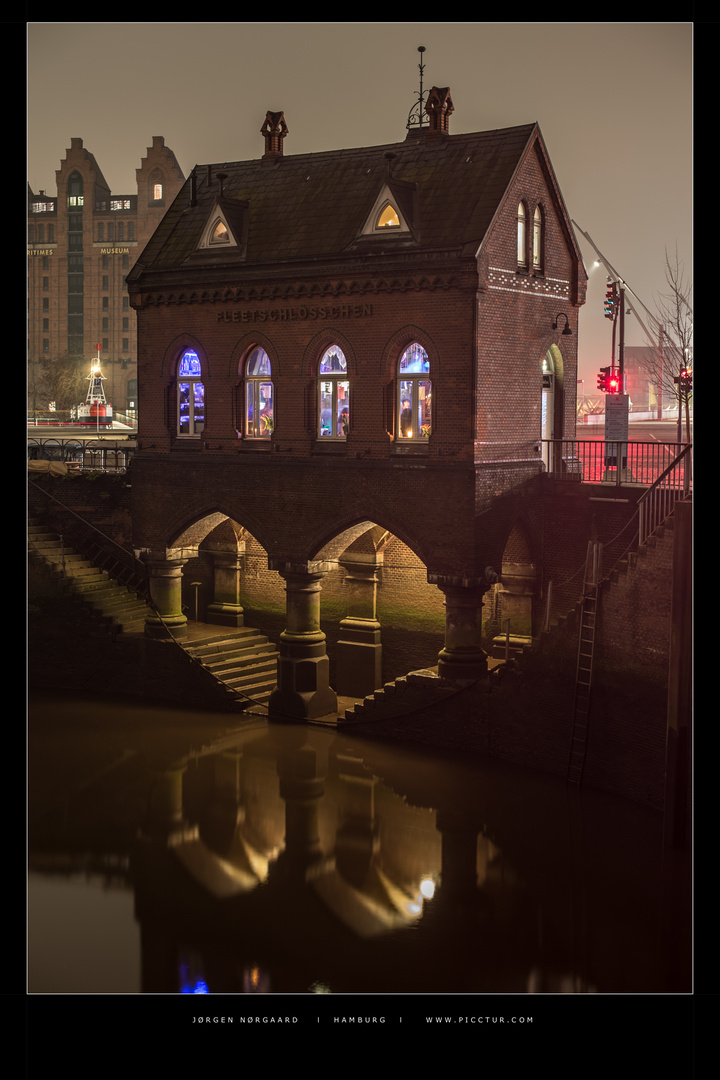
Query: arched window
[
  {"x": 333, "y": 395},
  {"x": 259, "y": 398},
  {"x": 219, "y": 233},
  {"x": 538, "y": 239},
  {"x": 75, "y": 190},
  {"x": 190, "y": 394},
  {"x": 414, "y": 394},
  {"x": 521, "y": 235},
  {"x": 388, "y": 218}
]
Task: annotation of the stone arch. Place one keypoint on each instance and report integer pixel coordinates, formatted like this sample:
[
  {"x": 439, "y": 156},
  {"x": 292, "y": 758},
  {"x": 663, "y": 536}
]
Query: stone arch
[
  {"x": 193, "y": 524},
  {"x": 345, "y": 531}
]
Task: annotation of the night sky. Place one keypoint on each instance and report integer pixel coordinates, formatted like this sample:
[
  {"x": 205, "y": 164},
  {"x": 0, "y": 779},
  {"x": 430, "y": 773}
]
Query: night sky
[{"x": 613, "y": 101}]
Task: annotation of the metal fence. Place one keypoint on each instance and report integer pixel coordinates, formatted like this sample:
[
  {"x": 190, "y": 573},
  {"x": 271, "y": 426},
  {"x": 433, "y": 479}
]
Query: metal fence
[
  {"x": 599, "y": 462},
  {"x": 94, "y": 455}
]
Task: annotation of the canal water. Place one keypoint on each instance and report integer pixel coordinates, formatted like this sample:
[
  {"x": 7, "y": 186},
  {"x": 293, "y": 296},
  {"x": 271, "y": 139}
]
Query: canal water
[{"x": 180, "y": 853}]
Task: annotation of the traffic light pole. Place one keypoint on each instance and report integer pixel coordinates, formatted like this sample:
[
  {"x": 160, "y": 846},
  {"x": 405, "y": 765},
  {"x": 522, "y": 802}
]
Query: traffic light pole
[{"x": 621, "y": 345}]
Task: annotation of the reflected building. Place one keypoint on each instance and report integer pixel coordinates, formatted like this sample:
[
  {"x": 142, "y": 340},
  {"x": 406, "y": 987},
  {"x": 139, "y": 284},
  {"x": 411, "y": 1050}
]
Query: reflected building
[{"x": 295, "y": 861}]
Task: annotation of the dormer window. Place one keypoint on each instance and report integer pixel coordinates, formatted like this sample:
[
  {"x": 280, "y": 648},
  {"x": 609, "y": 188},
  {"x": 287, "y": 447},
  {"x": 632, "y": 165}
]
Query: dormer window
[
  {"x": 388, "y": 219},
  {"x": 223, "y": 228},
  {"x": 389, "y": 213}
]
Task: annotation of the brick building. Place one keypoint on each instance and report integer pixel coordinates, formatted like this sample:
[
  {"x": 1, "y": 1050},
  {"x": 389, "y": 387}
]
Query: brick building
[
  {"x": 82, "y": 243},
  {"x": 348, "y": 353}
]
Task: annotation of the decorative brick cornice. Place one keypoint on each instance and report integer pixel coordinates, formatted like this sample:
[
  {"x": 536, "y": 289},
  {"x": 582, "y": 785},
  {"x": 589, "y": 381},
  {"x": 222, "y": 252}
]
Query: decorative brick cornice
[{"x": 303, "y": 290}]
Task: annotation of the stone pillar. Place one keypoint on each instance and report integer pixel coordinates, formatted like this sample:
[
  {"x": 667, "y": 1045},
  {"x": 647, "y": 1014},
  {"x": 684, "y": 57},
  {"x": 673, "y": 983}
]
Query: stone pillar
[
  {"x": 226, "y": 609},
  {"x": 303, "y": 688},
  {"x": 463, "y": 657},
  {"x": 165, "y": 582},
  {"x": 359, "y": 652}
]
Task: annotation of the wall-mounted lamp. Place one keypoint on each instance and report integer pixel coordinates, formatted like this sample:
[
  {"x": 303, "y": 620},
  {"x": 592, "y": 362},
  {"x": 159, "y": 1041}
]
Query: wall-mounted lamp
[{"x": 566, "y": 329}]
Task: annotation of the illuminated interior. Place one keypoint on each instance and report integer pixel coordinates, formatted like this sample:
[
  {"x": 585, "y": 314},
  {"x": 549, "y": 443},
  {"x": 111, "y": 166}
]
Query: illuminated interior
[
  {"x": 191, "y": 395},
  {"x": 259, "y": 408},
  {"x": 333, "y": 395},
  {"x": 414, "y": 394}
]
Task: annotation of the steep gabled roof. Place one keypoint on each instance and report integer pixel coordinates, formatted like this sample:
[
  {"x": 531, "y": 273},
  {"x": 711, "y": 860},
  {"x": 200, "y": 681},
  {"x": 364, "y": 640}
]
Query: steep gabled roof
[{"x": 314, "y": 206}]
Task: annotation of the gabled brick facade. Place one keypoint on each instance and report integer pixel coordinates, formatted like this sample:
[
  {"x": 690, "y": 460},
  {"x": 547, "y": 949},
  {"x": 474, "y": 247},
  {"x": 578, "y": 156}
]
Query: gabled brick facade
[{"x": 367, "y": 253}]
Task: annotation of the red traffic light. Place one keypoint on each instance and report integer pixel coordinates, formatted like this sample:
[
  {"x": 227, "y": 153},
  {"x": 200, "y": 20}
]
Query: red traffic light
[{"x": 609, "y": 381}]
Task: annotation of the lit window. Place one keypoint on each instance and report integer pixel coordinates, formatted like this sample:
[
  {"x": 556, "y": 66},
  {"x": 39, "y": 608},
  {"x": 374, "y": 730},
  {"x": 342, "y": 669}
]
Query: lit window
[
  {"x": 537, "y": 239},
  {"x": 388, "y": 219},
  {"x": 190, "y": 395},
  {"x": 521, "y": 236},
  {"x": 220, "y": 234},
  {"x": 414, "y": 394},
  {"x": 333, "y": 395},
  {"x": 259, "y": 415},
  {"x": 157, "y": 192}
]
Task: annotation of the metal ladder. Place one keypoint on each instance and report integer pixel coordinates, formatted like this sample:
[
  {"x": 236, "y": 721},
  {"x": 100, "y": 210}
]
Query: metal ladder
[{"x": 584, "y": 670}]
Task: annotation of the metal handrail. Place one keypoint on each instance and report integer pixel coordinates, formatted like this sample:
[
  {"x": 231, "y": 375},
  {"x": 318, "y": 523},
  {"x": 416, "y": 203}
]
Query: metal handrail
[
  {"x": 129, "y": 564},
  {"x": 656, "y": 504},
  {"x": 143, "y": 592}
]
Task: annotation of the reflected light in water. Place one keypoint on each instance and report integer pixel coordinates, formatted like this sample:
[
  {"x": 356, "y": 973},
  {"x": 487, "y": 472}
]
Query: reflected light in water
[{"x": 427, "y": 888}]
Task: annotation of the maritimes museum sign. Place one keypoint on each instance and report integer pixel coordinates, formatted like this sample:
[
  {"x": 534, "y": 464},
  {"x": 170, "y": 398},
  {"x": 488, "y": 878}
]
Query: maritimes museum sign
[{"x": 301, "y": 313}]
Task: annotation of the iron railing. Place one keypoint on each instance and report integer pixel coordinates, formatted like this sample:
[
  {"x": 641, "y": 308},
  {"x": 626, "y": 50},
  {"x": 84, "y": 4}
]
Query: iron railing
[
  {"x": 656, "y": 504},
  {"x": 95, "y": 455},
  {"x": 599, "y": 461}
]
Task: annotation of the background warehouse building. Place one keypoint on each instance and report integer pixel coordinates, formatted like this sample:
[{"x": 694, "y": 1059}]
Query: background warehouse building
[{"x": 82, "y": 243}]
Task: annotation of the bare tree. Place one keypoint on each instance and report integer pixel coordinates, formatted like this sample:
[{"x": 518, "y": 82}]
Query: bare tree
[
  {"x": 62, "y": 381},
  {"x": 670, "y": 351}
]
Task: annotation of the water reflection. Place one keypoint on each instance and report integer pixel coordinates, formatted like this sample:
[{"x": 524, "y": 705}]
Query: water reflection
[{"x": 298, "y": 860}]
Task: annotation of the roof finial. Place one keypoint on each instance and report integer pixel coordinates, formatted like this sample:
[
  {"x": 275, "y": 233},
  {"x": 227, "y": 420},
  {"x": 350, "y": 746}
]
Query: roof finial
[{"x": 417, "y": 113}]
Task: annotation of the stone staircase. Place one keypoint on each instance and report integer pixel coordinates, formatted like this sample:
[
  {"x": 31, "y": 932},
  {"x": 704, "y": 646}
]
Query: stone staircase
[
  {"x": 410, "y": 692},
  {"x": 243, "y": 660},
  {"x": 116, "y": 608}
]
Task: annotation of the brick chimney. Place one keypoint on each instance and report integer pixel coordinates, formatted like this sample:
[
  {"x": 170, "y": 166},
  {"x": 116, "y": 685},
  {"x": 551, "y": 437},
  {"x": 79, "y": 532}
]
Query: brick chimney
[
  {"x": 274, "y": 129},
  {"x": 438, "y": 106}
]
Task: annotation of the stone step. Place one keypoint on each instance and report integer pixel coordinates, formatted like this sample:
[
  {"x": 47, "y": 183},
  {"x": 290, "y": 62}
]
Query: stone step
[
  {"x": 240, "y": 658},
  {"x": 260, "y": 690},
  {"x": 406, "y": 694},
  {"x": 223, "y": 643},
  {"x": 248, "y": 667}
]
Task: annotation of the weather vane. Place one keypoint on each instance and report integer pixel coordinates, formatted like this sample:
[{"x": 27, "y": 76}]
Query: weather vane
[{"x": 416, "y": 117}]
